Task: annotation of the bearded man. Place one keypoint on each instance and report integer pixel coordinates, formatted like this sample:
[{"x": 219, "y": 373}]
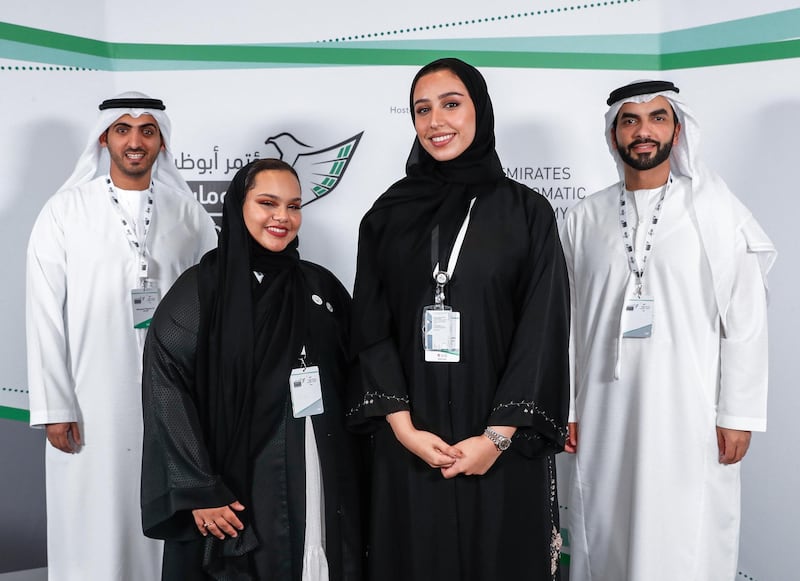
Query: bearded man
[{"x": 669, "y": 352}]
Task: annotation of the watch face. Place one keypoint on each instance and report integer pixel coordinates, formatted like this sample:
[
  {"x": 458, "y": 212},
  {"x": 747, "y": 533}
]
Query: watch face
[{"x": 504, "y": 444}]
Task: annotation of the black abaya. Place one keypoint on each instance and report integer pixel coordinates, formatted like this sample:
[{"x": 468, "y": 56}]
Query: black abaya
[
  {"x": 178, "y": 474},
  {"x": 217, "y": 420},
  {"x": 510, "y": 286}
]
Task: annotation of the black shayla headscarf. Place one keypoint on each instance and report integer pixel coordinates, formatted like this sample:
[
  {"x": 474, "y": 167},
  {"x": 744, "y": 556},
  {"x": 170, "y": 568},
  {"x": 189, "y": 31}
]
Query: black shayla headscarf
[
  {"x": 249, "y": 339},
  {"x": 433, "y": 195},
  {"x": 479, "y": 162},
  {"x": 429, "y": 184},
  {"x": 442, "y": 190}
]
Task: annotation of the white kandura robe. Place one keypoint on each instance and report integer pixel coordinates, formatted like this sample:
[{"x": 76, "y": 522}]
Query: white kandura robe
[
  {"x": 84, "y": 364},
  {"x": 649, "y": 500}
]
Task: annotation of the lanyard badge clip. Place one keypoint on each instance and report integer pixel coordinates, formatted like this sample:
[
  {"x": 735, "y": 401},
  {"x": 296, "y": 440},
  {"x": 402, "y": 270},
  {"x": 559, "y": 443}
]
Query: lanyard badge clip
[{"x": 441, "y": 279}]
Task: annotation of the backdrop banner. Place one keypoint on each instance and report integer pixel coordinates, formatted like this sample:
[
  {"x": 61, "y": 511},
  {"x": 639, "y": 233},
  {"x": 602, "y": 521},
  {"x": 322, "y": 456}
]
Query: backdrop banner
[{"x": 324, "y": 86}]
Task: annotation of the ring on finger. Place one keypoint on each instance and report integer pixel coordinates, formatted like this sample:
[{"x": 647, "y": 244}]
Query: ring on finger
[{"x": 208, "y": 524}]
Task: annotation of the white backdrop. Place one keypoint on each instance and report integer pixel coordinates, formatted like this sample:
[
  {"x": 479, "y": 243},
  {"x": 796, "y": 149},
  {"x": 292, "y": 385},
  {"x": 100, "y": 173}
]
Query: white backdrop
[{"x": 328, "y": 72}]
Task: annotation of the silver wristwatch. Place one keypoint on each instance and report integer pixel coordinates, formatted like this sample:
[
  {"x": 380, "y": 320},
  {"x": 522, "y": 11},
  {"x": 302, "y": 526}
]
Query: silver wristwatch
[{"x": 499, "y": 440}]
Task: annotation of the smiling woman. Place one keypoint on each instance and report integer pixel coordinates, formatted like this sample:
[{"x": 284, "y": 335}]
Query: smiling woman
[
  {"x": 248, "y": 472},
  {"x": 271, "y": 209},
  {"x": 467, "y": 416},
  {"x": 444, "y": 115}
]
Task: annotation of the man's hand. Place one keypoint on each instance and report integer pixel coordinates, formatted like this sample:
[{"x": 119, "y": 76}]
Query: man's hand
[
  {"x": 65, "y": 436},
  {"x": 571, "y": 445},
  {"x": 733, "y": 445}
]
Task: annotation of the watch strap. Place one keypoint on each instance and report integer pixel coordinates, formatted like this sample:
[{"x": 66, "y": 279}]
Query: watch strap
[{"x": 500, "y": 441}]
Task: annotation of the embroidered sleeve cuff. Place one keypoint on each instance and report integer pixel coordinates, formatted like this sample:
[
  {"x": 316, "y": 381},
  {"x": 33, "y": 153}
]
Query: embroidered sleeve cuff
[
  {"x": 376, "y": 403},
  {"x": 522, "y": 413}
]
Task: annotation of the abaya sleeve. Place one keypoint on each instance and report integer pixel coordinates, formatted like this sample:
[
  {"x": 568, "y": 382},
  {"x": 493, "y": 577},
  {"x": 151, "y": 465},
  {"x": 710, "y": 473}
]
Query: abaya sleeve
[
  {"x": 381, "y": 387},
  {"x": 177, "y": 476},
  {"x": 533, "y": 392}
]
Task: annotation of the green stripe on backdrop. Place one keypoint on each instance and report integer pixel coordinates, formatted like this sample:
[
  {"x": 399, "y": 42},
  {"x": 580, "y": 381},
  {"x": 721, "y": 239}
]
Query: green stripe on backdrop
[
  {"x": 15, "y": 414},
  {"x": 732, "y": 55},
  {"x": 760, "y": 38}
]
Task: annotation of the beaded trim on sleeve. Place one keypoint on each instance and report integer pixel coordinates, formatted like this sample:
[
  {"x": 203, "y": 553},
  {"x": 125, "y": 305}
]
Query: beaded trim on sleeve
[
  {"x": 525, "y": 435},
  {"x": 556, "y": 542},
  {"x": 371, "y": 396},
  {"x": 530, "y": 407}
]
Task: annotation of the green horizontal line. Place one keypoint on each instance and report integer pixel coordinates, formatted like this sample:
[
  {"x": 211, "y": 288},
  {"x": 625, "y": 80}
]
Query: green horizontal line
[
  {"x": 767, "y": 51},
  {"x": 15, "y": 414},
  {"x": 55, "y": 40},
  {"x": 40, "y": 45},
  {"x": 763, "y": 28}
]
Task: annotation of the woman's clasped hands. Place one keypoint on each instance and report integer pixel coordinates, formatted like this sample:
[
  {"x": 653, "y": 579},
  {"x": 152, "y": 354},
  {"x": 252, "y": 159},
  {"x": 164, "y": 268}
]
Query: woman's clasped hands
[
  {"x": 220, "y": 521},
  {"x": 473, "y": 456}
]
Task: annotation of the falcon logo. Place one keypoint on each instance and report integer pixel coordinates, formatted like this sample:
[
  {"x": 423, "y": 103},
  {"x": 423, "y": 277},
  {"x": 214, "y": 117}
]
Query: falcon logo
[{"x": 320, "y": 170}]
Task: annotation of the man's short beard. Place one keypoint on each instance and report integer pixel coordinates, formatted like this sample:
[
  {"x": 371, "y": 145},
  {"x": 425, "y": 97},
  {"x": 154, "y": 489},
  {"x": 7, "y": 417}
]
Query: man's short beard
[{"x": 645, "y": 163}]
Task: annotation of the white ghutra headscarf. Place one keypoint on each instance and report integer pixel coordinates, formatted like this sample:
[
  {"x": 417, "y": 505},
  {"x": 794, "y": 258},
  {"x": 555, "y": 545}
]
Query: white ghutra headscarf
[
  {"x": 719, "y": 212},
  {"x": 95, "y": 160}
]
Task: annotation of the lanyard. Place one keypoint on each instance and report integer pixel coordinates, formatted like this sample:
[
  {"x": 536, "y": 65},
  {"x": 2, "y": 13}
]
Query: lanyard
[
  {"x": 128, "y": 225},
  {"x": 627, "y": 236},
  {"x": 442, "y": 277}
]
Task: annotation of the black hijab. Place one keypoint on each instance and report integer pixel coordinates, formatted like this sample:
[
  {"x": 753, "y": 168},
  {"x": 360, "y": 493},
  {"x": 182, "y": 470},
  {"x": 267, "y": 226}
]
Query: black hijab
[
  {"x": 249, "y": 338},
  {"x": 479, "y": 163},
  {"x": 429, "y": 183},
  {"x": 433, "y": 195}
]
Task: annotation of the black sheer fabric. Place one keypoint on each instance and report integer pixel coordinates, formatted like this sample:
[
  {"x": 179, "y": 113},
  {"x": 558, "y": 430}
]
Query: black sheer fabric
[
  {"x": 511, "y": 288},
  {"x": 218, "y": 421}
]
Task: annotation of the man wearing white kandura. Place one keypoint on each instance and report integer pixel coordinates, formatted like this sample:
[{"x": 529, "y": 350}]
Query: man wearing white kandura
[
  {"x": 103, "y": 250},
  {"x": 668, "y": 277}
]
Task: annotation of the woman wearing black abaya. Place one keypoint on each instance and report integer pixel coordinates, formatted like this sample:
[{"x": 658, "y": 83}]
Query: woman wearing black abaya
[
  {"x": 451, "y": 499},
  {"x": 237, "y": 486}
]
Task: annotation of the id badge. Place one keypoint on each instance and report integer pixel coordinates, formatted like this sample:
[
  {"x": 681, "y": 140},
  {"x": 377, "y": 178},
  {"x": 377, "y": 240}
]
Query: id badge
[
  {"x": 637, "y": 319},
  {"x": 143, "y": 304},
  {"x": 441, "y": 334},
  {"x": 306, "y": 390}
]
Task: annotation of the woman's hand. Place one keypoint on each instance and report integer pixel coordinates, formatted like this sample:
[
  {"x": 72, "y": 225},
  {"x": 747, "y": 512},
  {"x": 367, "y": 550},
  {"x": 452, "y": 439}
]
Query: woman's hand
[
  {"x": 478, "y": 454},
  {"x": 219, "y": 521},
  {"x": 429, "y": 447}
]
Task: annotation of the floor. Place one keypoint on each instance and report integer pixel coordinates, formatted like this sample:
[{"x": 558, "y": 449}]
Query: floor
[
  {"x": 29, "y": 575},
  {"x": 41, "y": 575}
]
